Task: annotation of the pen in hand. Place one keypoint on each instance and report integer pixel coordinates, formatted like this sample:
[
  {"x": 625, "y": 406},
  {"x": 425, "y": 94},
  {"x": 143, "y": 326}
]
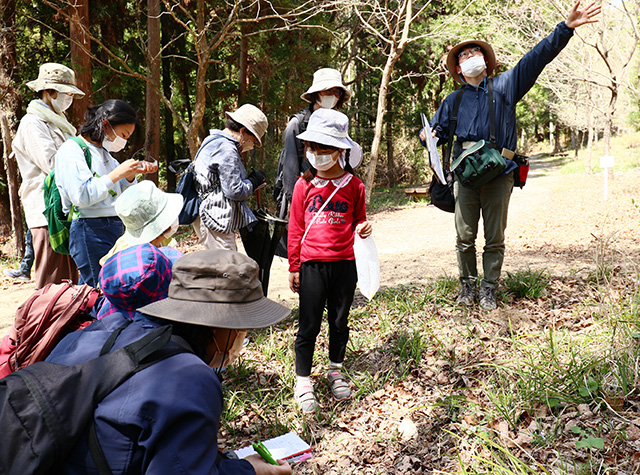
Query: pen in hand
[{"x": 264, "y": 453}]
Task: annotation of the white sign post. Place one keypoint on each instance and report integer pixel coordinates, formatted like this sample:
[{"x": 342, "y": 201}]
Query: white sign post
[{"x": 606, "y": 162}]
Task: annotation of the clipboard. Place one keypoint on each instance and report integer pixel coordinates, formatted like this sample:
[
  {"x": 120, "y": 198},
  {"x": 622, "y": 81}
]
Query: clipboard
[{"x": 432, "y": 149}]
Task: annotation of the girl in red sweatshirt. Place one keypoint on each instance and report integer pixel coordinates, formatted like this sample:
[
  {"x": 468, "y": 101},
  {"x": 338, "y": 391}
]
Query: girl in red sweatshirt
[{"x": 327, "y": 208}]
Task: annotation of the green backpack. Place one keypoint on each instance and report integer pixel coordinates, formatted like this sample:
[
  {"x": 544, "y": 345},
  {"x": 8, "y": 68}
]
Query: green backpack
[{"x": 58, "y": 222}]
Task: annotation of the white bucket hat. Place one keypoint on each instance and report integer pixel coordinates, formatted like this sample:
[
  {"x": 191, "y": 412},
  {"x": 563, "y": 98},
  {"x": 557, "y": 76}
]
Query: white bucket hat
[
  {"x": 252, "y": 118},
  {"x": 147, "y": 211},
  {"x": 57, "y": 77},
  {"x": 330, "y": 127},
  {"x": 324, "y": 79}
]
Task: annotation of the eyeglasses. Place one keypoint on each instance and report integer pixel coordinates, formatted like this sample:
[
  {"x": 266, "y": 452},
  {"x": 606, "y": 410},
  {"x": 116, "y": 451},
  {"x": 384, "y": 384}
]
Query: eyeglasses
[
  {"x": 469, "y": 52},
  {"x": 334, "y": 91}
]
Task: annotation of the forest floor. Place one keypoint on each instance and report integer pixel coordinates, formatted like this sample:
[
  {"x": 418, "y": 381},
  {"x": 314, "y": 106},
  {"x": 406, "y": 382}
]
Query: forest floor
[{"x": 559, "y": 224}]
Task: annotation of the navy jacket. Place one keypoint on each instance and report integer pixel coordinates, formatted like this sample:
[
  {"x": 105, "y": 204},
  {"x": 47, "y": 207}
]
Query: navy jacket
[
  {"x": 508, "y": 88},
  {"x": 162, "y": 420}
]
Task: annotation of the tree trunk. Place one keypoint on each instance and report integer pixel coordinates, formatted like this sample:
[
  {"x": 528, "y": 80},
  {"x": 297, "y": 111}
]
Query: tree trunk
[
  {"x": 152, "y": 125},
  {"x": 169, "y": 144},
  {"x": 590, "y": 133},
  {"x": 10, "y": 213},
  {"x": 391, "y": 174},
  {"x": 80, "y": 57},
  {"x": 244, "y": 65}
]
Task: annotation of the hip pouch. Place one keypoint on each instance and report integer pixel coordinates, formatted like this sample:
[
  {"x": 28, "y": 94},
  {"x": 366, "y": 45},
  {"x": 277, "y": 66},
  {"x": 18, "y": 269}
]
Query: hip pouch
[
  {"x": 478, "y": 165},
  {"x": 520, "y": 173}
]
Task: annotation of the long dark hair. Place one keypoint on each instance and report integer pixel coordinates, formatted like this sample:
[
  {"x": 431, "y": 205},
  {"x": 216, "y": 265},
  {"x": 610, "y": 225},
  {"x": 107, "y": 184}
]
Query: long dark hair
[
  {"x": 311, "y": 172},
  {"x": 114, "y": 111}
]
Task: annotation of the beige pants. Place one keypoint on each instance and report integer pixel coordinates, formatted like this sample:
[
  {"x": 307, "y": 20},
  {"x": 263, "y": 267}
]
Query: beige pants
[{"x": 213, "y": 239}]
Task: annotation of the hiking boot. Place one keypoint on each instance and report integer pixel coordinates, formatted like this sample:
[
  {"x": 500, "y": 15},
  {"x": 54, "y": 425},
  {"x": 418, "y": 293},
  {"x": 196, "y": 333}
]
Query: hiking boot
[
  {"x": 468, "y": 294},
  {"x": 17, "y": 274},
  {"x": 488, "y": 300}
]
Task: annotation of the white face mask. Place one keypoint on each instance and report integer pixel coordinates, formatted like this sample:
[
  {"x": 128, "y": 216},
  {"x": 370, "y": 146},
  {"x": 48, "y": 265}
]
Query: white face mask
[
  {"x": 62, "y": 102},
  {"x": 115, "y": 145},
  {"x": 172, "y": 230},
  {"x": 327, "y": 102},
  {"x": 473, "y": 67},
  {"x": 322, "y": 163}
]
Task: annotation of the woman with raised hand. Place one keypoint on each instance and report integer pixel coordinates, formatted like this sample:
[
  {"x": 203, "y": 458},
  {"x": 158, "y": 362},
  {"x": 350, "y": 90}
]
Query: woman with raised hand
[{"x": 90, "y": 179}]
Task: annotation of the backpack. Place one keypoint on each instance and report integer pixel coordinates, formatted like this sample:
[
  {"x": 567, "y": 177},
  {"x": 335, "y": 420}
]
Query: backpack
[
  {"x": 58, "y": 222},
  {"x": 278, "y": 188},
  {"x": 187, "y": 188},
  {"x": 191, "y": 202},
  {"x": 46, "y": 408},
  {"x": 43, "y": 320}
]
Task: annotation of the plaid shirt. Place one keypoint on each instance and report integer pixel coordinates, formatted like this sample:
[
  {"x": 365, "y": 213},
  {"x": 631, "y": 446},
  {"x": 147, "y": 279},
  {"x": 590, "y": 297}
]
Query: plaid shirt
[{"x": 135, "y": 277}]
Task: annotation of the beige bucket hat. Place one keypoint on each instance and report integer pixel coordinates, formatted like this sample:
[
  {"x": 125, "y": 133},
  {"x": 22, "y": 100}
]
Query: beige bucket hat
[
  {"x": 252, "y": 118},
  {"x": 147, "y": 211},
  {"x": 452, "y": 58},
  {"x": 217, "y": 288},
  {"x": 57, "y": 77},
  {"x": 324, "y": 79}
]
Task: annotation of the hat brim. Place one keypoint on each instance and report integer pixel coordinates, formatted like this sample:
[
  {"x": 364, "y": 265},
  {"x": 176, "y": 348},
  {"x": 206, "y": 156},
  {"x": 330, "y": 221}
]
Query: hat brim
[
  {"x": 323, "y": 87},
  {"x": 40, "y": 85},
  {"x": 487, "y": 50},
  {"x": 324, "y": 139},
  {"x": 248, "y": 127},
  {"x": 239, "y": 316},
  {"x": 154, "y": 229}
]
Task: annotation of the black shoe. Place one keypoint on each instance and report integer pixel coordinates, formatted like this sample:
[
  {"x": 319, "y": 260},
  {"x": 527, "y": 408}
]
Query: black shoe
[
  {"x": 468, "y": 294},
  {"x": 488, "y": 300},
  {"x": 17, "y": 274}
]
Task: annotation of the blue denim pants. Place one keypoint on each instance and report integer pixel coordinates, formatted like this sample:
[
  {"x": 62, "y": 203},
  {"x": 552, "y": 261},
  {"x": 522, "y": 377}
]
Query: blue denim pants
[{"x": 89, "y": 240}]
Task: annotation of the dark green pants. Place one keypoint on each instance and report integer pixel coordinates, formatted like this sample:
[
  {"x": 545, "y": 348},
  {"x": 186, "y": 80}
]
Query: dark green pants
[{"x": 492, "y": 202}]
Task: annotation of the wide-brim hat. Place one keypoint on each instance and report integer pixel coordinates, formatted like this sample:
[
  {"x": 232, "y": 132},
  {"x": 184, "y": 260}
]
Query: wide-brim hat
[
  {"x": 330, "y": 127},
  {"x": 217, "y": 288},
  {"x": 252, "y": 118},
  {"x": 324, "y": 79},
  {"x": 487, "y": 50},
  {"x": 57, "y": 77},
  {"x": 147, "y": 211}
]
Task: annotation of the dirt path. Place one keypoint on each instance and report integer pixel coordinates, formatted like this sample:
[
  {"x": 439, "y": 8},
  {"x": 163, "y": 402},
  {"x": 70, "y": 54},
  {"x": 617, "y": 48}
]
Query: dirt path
[{"x": 557, "y": 222}]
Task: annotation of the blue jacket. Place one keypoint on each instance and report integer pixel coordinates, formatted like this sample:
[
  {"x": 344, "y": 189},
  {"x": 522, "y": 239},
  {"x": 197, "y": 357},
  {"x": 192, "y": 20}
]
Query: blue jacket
[
  {"x": 162, "y": 420},
  {"x": 508, "y": 88}
]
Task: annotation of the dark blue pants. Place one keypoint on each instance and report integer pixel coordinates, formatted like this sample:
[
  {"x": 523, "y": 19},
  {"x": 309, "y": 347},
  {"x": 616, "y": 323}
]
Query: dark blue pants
[
  {"x": 89, "y": 240},
  {"x": 29, "y": 256},
  {"x": 333, "y": 284}
]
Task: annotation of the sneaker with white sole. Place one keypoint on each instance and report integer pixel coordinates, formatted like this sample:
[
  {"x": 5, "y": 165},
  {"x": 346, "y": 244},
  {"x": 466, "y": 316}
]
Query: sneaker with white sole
[
  {"x": 305, "y": 399},
  {"x": 17, "y": 274}
]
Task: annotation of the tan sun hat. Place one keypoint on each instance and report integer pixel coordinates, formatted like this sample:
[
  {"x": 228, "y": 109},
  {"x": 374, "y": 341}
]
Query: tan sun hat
[
  {"x": 57, "y": 77},
  {"x": 252, "y": 118},
  {"x": 324, "y": 79},
  {"x": 452, "y": 57},
  {"x": 217, "y": 288}
]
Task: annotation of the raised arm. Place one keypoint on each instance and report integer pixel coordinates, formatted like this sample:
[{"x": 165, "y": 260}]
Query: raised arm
[{"x": 578, "y": 17}]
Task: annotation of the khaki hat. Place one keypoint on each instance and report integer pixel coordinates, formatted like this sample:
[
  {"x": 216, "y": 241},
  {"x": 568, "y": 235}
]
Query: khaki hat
[
  {"x": 57, "y": 77},
  {"x": 452, "y": 58},
  {"x": 252, "y": 118},
  {"x": 217, "y": 288},
  {"x": 147, "y": 211},
  {"x": 324, "y": 79}
]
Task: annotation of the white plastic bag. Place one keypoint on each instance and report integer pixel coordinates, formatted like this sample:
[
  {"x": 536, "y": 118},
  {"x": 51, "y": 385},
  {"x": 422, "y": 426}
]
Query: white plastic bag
[{"x": 367, "y": 265}]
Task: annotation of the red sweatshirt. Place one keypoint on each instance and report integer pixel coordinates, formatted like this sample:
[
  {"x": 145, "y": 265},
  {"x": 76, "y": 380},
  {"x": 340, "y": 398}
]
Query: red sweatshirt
[{"x": 331, "y": 235}]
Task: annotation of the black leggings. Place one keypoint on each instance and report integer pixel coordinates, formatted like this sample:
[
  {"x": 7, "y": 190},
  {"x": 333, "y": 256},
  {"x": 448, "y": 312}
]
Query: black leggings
[{"x": 333, "y": 284}]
